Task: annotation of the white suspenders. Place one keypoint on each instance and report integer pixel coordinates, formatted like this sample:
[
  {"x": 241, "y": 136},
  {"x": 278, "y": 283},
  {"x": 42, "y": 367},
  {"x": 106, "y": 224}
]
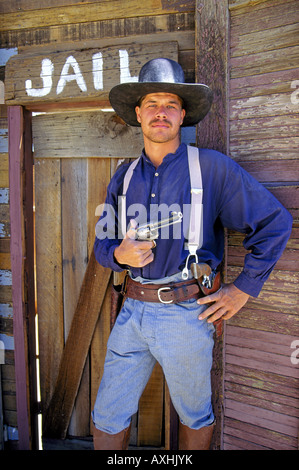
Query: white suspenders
[
  {"x": 122, "y": 206},
  {"x": 196, "y": 210}
]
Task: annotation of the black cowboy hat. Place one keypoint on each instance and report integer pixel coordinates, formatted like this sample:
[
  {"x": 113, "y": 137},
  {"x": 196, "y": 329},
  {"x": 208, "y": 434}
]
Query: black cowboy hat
[{"x": 161, "y": 75}]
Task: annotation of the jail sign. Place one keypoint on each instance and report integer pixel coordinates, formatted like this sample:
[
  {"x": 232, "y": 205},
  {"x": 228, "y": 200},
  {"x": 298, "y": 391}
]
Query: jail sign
[{"x": 79, "y": 74}]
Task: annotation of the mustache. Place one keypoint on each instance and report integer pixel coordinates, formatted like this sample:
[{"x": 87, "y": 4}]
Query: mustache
[{"x": 154, "y": 121}]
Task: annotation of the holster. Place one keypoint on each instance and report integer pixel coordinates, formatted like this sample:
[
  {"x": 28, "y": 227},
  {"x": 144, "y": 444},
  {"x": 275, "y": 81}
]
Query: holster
[
  {"x": 218, "y": 324},
  {"x": 117, "y": 298}
]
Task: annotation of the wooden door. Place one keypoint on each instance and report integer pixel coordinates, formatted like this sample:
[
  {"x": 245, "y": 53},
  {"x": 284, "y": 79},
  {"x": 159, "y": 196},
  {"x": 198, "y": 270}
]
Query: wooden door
[{"x": 75, "y": 155}]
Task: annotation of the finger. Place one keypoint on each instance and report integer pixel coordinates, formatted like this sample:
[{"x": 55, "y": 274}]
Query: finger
[
  {"x": 146, "y": 260},
  {"x": 145, "y": 246},
  {"x": 219, "y": 314},
  {"x": 131, "y": 233},
  {"x": 209, "y": 311},
  {"x": 213, "y": 313},
  {"x": 210, "y": 298}
]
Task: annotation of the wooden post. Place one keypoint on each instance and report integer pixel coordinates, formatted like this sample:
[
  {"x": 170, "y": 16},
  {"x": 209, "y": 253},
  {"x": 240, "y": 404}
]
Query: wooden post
[
  {"x": 211, "y": 69},
  {"x": 18, "y": 255}
]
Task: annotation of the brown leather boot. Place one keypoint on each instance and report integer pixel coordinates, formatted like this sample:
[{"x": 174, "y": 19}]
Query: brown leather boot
[
  {"x": 105, "y": 441},
  {"x": 195, "y": 439}
]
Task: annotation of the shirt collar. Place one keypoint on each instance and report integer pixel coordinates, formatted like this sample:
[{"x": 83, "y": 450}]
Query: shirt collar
[{"x": 169, "y": 157}]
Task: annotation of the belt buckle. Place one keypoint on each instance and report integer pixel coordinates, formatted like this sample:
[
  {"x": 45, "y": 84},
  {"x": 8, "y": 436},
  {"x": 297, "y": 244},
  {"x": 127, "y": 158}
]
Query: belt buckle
[{"x": 159, "y": 297}]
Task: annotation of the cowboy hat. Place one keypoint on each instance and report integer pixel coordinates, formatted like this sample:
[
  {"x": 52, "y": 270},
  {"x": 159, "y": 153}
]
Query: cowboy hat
[{"x": 161, "y": 75}]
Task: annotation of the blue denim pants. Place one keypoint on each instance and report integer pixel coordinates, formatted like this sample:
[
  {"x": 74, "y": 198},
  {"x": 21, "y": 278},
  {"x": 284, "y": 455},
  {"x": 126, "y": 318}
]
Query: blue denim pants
[{"x": 143, "y": 334}]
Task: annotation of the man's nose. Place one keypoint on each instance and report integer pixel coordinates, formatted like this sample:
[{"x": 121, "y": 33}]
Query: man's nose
[{"x": 161, "y": 112}]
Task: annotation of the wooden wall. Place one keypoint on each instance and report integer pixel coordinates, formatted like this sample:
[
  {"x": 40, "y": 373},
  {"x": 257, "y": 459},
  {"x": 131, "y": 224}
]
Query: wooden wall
[{"x": 260, "y": 381}]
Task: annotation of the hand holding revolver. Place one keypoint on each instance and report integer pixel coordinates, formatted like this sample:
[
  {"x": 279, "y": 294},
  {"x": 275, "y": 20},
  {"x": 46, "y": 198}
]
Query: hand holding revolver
[
  {"x": 136, "y": 248},
  {"x": 132, "y": 252}
]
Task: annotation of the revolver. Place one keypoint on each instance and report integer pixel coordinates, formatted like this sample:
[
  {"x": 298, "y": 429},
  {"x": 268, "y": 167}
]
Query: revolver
[{"x": 150, "y": 231}]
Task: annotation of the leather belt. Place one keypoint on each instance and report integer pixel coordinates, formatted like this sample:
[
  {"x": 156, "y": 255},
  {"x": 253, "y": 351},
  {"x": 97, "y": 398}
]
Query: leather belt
[{"x": 163, "y": 293}]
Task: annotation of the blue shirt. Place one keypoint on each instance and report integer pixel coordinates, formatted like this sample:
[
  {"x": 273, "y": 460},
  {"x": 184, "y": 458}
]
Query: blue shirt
[{"x": 232, "y": 199}]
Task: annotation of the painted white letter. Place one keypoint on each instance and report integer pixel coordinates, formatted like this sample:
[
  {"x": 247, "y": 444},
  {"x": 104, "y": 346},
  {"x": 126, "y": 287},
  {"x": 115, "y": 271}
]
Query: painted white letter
[
  {"x": 125, "y": 75},
  {"x": 46, "y": 76},
  {"x": 295, "y": 94},
  {"x": 97, "y": 70},
  {"x": 64, "y": 77}
]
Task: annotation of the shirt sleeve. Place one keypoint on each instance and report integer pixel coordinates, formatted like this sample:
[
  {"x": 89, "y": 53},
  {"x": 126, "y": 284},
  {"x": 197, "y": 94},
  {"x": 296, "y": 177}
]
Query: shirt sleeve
[{"x": 248, "y": 207}]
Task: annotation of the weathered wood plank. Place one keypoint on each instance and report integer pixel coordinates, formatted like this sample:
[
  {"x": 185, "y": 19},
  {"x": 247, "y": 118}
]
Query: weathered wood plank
[
  {"x": 255, "y": 434},
  {"x": 261, "y": 340},
  {"x": 25, "y": 5},
  {"x": 263, "y": 361},
  {"x": 263, "y": 84},
  {"x": 272, "y": 170},
  {"x": 266, "y": 320},
  {"x": 262, "y": 106},
  {"x": 262, "y": 380},
  {"x": 264, "y": 418},
  {"x": 48, "y": 271},
  {"x": 80, "y": 13},
  {"x": 110, "y": 32},
  {"x": 265, "y": 40},
  {"x": 240, "y": 7},
  {"x": 265, "y": 62},
  {"x": 276, "y": 301},
  {"x": 231, "y": 443},
  {"x": 4, "y": 176},
  {"x": 18, "y": 254},
  {"x": 211, "y": 68},
  {"x": 74, "y": 260},
  {"x": 61, "y": 135},
  {"x": 273, "y": 15},
  {"x": 264, "y": 399},
  {"x": 264, "y": 127}
]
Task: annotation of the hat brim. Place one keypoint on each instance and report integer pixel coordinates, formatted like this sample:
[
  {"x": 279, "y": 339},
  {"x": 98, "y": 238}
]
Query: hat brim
[{"x": 197, "y": 99}]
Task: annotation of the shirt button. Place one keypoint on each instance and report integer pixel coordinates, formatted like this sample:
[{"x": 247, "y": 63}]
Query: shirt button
[
  {"x": 153, "y": 195},
  {"x": 156, "y": 174}
]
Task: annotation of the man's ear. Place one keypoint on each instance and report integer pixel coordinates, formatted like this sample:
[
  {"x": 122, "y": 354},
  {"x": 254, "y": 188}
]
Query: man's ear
[
  {"x": 183, "y": 115},
  {"x": 137, "y": 110}
]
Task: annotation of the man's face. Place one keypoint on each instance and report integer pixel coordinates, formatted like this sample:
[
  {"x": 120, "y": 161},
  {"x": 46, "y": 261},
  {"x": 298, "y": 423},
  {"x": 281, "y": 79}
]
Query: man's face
[{"x": 160, "y": 116}]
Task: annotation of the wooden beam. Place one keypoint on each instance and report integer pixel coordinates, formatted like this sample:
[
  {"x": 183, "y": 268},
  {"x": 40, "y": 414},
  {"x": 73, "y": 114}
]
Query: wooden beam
[
  {"x": 82, "y": 13},
  {"x": 17, "y": 247},
  {"x": 89, "y": 305},
  {"x": 211, "y": 68},
  {"x": 211, "y": 52}
]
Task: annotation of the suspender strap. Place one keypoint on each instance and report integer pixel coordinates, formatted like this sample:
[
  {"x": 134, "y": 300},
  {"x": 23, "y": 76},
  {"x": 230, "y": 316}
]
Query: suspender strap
[
  {"x": 122, "y": 206},
  {"x": 196, "y": 210}
]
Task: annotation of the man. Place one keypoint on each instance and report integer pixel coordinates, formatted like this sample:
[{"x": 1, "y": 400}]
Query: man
[{"x": 175, "y": 331}]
